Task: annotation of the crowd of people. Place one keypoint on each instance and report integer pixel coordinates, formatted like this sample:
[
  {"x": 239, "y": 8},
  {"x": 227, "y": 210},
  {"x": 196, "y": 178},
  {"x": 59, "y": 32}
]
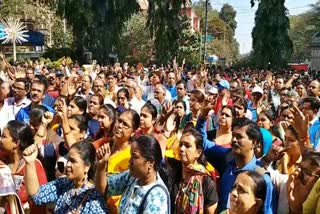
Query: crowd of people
[{"x": 170, "y": 139}]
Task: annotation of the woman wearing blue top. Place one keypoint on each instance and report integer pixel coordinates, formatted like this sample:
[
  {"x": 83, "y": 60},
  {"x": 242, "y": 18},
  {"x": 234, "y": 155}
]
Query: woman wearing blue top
[
  {"x": 73, "y": 194},
  {"x": 141, "y": 187}
]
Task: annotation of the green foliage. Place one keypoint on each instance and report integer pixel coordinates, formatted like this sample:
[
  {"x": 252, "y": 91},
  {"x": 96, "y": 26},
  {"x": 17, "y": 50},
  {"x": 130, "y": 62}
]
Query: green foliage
[
  {"x": 222, "y": 26},
  {"x": 96, "y": 24},
  {"x": 135, "y": 44},
  {"x": 271, "y": 42},
  {"x": 189, "y": 44},
  {"x": 228, "y": 15},
  {"x": 165, "y": 27},
  {"x": 303, "y": 27}
]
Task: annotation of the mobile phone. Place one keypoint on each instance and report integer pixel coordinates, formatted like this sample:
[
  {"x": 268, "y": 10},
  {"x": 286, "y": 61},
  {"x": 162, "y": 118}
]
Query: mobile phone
[{"x": 60, "y": 165}]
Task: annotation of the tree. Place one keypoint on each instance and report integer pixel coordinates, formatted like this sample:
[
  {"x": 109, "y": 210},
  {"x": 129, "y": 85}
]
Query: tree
[
  {"x": 135, "y": 43},
  {"x": 228, "y": 15},
  {"x": 189, "y": 44},
  {"x": 224, "y": 44},
  {"x": 165, "y": 23},
  {"x": 96, "y": 24},
  {"x": 270, "y": 40}
]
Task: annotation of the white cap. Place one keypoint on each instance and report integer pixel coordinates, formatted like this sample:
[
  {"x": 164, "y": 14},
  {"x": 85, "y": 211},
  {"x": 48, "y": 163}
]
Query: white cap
[
  {"x": 257, "y": 89},
  {"x": 213, "y": 90}
]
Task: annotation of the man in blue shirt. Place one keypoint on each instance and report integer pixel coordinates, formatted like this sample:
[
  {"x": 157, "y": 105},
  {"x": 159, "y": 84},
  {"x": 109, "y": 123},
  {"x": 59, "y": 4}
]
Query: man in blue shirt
[
  {"x": 231, "y": 161},
  {"x": 37, "y": 93},
  {"x": 171, "y": 84}
]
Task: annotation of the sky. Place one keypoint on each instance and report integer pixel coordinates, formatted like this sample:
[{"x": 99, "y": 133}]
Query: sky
[{"x": 245, "y": 17}]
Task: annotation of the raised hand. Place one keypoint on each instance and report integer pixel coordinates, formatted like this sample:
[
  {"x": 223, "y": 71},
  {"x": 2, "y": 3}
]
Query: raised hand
[
  {"x": 298, "y": 192},
  {"x": 103, "y": 154},
  {"x": 30, "y": 154},
  {"x": 300, "y": 123},
  {"x": 206, "y": 107},
  {"x": 167, "y": 109},
  {"x": 171, "y": 123},
  {"x": 62, "y": 108},
  {"x": 47, "y": 118},
  {"x": 295, "y": 76}
]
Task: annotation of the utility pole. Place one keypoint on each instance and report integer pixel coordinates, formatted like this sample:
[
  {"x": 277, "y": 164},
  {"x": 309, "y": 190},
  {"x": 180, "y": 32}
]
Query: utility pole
[{"x": 205, "y": 32}]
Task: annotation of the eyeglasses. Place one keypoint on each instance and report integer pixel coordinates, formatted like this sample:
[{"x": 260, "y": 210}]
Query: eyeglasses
[
  {"x": 18, "y": 88},
  {"x": 124, "y": 124}
]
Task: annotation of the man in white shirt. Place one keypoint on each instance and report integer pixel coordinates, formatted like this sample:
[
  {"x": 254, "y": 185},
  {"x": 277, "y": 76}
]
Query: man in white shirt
[
  {"x": 135, "y": 104},
  {"x": 20, "y": 89}
]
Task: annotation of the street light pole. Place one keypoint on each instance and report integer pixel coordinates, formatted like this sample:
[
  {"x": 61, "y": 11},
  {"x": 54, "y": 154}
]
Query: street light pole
[{"x": 205, "y": 33}]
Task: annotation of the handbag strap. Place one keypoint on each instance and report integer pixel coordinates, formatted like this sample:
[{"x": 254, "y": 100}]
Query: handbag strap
[
  {"x": 142, "y": 205},
  {"x": 83, "y": 200}
]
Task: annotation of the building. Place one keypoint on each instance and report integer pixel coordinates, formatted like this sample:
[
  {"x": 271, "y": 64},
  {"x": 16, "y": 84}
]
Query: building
[
  {"x": 194, "y": 19},
  {"x": 315, "y": 52}
]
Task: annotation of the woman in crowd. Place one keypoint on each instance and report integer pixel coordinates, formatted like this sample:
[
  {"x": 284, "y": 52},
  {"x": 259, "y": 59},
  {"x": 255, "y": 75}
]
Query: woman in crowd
[
  {"x": 95, "y": 102},
  {"x": 124, "y": 129},
  {"x": 182, "y": 118},
  {"x": 148, "y": 118},
  {"x": 248, "y": 193},
  {"x": 224, "y": 132},
  {"x": 77, "y": 106},
  {"x": 72, "y": 194},
  {"x": 293, "y": 156},
  {"x": 141, "y": 187},
  {"x": 16, "y": 137},
  {"x": 178, "y": 122},
  {"x": 286, "y": 115},
  {"x": 107, "y": 119},
  {"x": 191, "y": 185},
  {"x": 123, "y": 98},
  {"x": 266, "y": 120}
]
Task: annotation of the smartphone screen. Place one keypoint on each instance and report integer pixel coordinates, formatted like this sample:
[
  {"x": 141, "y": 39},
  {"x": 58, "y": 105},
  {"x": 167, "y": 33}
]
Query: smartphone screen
[{"x": 60, "y": 166}]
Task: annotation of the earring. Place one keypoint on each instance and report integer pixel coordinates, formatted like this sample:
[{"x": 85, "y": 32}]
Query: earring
[{"x": 85, "y": 177}]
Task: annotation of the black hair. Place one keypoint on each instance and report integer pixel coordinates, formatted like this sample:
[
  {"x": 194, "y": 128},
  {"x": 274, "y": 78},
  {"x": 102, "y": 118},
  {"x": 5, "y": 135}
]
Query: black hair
[
  {"x": 21, "y": 133},
  {"x": 81, "y": 103},
  {"x": 198, "y": 95},
  {"x": 27, "y": 83},
  {"x": 149, "y": 149},
  {"x": 314, "y": 102},
  {"x": 100, "y": 98},
  {"x": 135, "y": 118},
  {"x": 269, "y": 114},
  {"x": 182, "y": 82},
  {"x": 152, "y": 110},
  {"x": 41, "y": 79},
  {"x": 110, "y": 111},
  {"x": 125, "y": 91},
  {"x": 294, "y": 132},
  {"x": 253, "y": 130},
  {"x": 183, "y": 104},
  {"x": 259, "y": 186},
  {"x": 198, "y": 141},
  {"x": 87, "y": 153},
  {"x": 312, "y": 156},
  {"x": 233, "y": 112},
  {"x": 242, "y": 101},
  {"x": 36, "y": 114},
  {"x": 82, "y": 122}
]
